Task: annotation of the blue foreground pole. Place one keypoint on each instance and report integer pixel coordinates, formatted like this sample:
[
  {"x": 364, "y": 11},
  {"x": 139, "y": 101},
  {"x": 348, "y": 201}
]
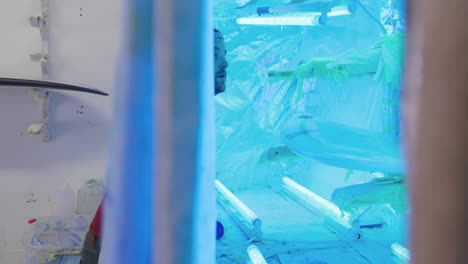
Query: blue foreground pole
[
  {"x": 160, "y": 202},
  {"x": 185, "y": 198}
]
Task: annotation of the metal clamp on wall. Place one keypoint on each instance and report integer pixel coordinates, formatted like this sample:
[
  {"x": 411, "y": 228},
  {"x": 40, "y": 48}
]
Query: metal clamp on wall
[
  {"x": 41, "y": 58},
  {"x": 41, "y": 23}
]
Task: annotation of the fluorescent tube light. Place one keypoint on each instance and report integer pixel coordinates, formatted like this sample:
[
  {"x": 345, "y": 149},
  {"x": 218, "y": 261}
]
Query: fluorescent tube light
[
  {"x": 401, "y": 252},
  {"x": 243, "y": 213},
  {"x": 339, "y": 12},
  {"x": 308, "y": 197},
  {"x": 255, "y": 256},
  {"x": 280, "y": 20},
  {"x": 306, "y": 19},
  {"x": 310, "y": 10}
]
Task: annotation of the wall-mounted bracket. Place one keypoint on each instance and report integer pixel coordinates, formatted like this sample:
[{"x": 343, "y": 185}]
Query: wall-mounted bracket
[
  {"x": 41, "y": 128},
  {"x": 42, "y": 95},
  {"x": 41, "y": 58},
  {"x": 41, "y": 23}
]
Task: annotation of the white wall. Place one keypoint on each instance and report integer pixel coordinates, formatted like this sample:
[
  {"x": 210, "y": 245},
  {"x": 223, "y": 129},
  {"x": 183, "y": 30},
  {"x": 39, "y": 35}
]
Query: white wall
[{"x": 82, "y": 49}]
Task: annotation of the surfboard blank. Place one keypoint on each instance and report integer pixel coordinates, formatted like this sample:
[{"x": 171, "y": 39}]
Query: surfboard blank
[{"x": 28, "y": 83}]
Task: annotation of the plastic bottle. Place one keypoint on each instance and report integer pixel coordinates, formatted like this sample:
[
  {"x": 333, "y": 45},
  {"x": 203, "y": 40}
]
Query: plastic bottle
[{"x": 90, "y": 196}]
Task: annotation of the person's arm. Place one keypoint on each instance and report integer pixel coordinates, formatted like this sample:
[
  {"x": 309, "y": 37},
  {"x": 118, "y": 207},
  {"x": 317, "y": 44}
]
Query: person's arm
[{"x": 435, "y": 118}]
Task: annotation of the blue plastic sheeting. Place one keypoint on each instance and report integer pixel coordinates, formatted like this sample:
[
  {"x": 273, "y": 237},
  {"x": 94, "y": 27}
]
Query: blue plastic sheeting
[
  {"x": 326, "y": 135},
  {"x": 345, "y": 147},
  {"x": 253, "y": 113}
]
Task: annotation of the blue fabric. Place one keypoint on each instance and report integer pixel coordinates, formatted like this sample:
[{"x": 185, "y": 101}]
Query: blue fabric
[{"x": 219, "y": 230}]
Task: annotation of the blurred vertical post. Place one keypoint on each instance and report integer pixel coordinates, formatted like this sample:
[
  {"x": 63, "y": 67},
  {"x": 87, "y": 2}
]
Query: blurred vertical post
[
  {"x": 160, "y": 202},
  {"x": 128, "y": 215},
  {"x": 185, "y": 201},
  {"x": 435, "y": 118}
]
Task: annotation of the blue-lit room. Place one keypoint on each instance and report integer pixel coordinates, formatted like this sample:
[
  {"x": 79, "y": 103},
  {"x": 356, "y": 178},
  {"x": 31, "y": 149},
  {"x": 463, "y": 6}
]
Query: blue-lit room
[
  {"x": 233, "y": 131},
  {"x": 308, "y": 160}
]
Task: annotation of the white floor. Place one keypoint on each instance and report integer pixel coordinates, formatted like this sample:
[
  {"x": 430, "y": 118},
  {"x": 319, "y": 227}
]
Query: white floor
[{"x": 293, "y": 234}]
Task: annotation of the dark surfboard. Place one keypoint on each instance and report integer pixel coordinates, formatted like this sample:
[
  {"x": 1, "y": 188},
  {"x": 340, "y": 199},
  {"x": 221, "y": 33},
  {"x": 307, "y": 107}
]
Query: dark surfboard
[{"x": 28, "y": 83}]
